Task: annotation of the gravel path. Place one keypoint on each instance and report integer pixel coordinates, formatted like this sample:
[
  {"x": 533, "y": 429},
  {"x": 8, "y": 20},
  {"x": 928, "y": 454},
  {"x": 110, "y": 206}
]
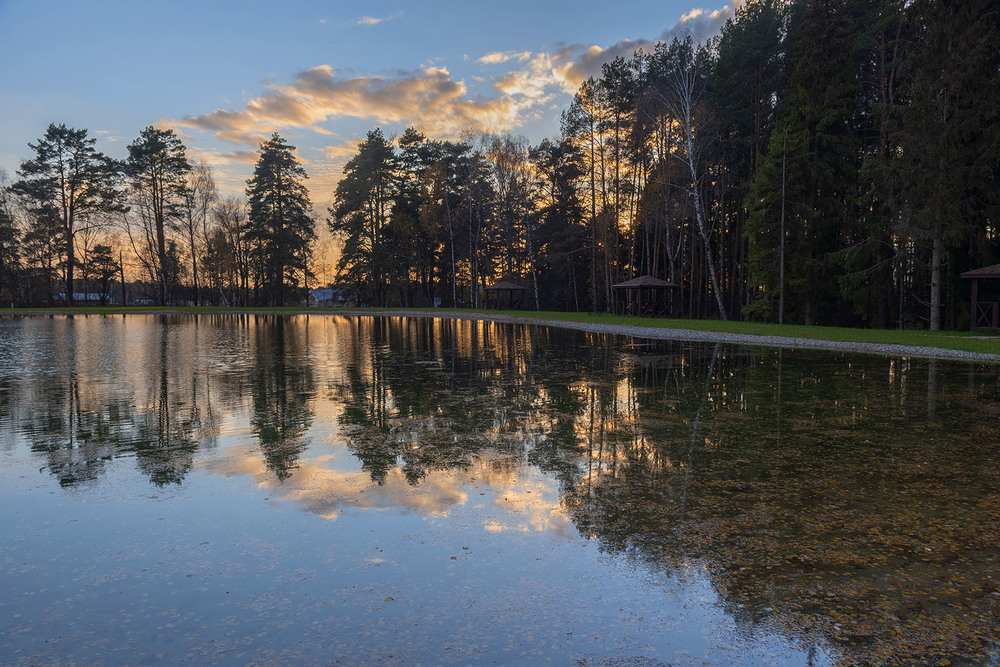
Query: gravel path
[{"x": 659, "y": 333}]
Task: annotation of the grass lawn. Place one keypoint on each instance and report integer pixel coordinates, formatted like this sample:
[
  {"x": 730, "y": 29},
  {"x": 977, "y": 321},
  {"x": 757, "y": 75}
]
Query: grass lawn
[{"x": 983, "y": 342}]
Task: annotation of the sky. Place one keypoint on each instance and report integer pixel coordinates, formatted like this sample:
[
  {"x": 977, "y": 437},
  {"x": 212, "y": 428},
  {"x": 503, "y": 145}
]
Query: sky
[{"x": 226, "y": 75}]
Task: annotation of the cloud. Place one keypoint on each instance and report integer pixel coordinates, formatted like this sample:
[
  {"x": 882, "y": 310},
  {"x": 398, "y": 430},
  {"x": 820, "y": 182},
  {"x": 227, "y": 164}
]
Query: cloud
[
  {"x": 375, "y": 20},
  {"x": 429, "y": 98},
  {"x": 343, "y": 151},
  {"x": 498, "y": 57},
  {"x": 575, "y": 63},
  {"x": 532, "y": 82},
  {"x": 691, "y": 15},
  {"x": 243, "y": 157},
  {"x": 519, "y": 504},
  {"x": 109, "y": 137}
]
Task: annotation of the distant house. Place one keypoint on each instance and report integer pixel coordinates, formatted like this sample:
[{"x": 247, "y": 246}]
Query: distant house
[
  {"x": 323, "y": 297},
  {"x": 91, "y": 298}
]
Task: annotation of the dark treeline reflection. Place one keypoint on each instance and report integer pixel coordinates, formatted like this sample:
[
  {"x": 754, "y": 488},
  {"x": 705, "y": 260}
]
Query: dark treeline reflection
[
  {"x": 80, "y": 410},
  {"x": 281, "y": 384},
  {"x": 851, "y": 501},
  {"x": 88, "y": 390}
]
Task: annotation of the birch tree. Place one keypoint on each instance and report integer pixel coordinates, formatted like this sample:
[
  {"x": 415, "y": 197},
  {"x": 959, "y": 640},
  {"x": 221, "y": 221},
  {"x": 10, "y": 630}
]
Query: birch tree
[
  {"x": 680, "y": 89},
  {"x": 199, "y": 197}
]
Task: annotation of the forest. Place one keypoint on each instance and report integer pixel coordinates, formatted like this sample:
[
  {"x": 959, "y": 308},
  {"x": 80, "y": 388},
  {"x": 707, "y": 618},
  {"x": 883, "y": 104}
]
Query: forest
[{"x": 818, "y": 161}]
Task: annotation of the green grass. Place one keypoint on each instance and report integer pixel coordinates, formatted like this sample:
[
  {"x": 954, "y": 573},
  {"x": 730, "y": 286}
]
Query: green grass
[{"x": 965, "y": 341}]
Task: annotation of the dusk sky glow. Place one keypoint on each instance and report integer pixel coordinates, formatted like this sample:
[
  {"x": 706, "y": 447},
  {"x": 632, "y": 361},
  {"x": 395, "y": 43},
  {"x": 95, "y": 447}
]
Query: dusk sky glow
[{"x": 225, "y": 75}]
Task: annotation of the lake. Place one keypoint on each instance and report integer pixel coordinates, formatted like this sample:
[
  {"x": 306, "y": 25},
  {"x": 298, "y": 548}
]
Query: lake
[{"x": 318, "y": 489}]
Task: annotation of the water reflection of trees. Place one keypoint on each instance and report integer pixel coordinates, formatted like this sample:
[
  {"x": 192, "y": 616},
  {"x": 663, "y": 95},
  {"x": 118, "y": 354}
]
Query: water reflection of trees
[
  {"x": 851, "y": 501},
  {"x": 822, "y": 500},
  {"x": 93, "y": 389},
  {"x": 433, "y": 394},
  {"x": 848, "y": 501},
  {"x": 281, "y": 384},
  {"x": 81, "y": 408}
]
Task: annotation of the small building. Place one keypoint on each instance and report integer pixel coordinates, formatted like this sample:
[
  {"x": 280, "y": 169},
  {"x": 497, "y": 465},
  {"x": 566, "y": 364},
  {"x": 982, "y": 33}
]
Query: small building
[
  {"x": 322, "y": 297},
  {"x": 513, "y": 292},
  {"x": 985, "y": 313},
  {"x": 644, "y": 296}
]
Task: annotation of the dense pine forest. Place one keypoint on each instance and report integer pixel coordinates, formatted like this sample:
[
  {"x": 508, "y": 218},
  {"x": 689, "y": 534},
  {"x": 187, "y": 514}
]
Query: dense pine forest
[{"x": 819, "y": 162}]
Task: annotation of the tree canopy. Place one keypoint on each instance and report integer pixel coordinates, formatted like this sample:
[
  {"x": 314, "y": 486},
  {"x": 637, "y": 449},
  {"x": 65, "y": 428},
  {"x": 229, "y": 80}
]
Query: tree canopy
[
  {"x": 280, "y": 228},
  {"x": 818, "y": 162}
]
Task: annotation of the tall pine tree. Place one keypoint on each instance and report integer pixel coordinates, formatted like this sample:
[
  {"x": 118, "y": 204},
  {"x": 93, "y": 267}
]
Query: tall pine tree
[
  {"x": 280, "y": 228},
  {"x": 948, "y": 139},
  {"x": 810, "y": 172},
  {"x": 360, "y": 215},
  {"x": 157, "y": 167}
]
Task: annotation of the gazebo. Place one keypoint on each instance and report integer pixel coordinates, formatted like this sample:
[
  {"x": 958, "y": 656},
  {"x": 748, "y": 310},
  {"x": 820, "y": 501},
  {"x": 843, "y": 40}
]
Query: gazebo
[
  {"x": 642, "y": 297},
  {"x": 985, "y": 314},
  {"x": 494, "y": 291}
]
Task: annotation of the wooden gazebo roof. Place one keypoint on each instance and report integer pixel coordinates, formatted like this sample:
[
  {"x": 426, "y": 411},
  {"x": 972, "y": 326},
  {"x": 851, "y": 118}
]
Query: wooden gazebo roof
[
  {"x": 506, "y": 285},
  {"x": 985, "y": 272},
  {"x": 645, "y": 282}
]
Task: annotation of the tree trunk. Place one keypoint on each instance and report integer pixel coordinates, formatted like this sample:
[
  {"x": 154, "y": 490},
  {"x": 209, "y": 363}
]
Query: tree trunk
[
  {"x": 194, "y": 265},
  {"x": 936, "y": 252},
  {"x": 70, "y": 260},
  {"x": 703, "y": 231}
]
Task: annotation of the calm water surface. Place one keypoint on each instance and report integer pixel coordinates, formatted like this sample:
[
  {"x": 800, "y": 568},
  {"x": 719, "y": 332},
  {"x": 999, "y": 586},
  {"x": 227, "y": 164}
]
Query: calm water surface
[{"x": 319, "y": 489}]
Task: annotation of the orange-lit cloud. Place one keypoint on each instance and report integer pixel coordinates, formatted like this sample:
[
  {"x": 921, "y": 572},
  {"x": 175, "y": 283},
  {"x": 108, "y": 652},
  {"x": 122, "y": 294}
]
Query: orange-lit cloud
[
  {"x": 430, "y": 98},
  {"x": 537, "y": 82},
  {"x": 498, "y": 57},
  {"x": 519, "y": 503}
]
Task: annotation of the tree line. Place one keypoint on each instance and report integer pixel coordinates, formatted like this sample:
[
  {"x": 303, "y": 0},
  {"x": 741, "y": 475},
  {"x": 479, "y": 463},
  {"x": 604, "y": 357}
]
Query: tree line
[
  {"x": 819, "y": 161},
  {"x": 73, "y": 212}
]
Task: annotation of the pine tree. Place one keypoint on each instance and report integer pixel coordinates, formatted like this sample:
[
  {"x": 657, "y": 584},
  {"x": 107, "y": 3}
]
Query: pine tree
[
  {"x": 157, "y": 168},
  {"x": 871, "y": 248},
  {"x": 360, "y": 215},
  {"x": 746, "y": 87},
  {"x": 810, "y": 171},
  {"x": 68, "y": 180},
  {"x": 948, "y": 138},
  {"x": 10, "y": 236},
  {"x": 280, "y": 228}
]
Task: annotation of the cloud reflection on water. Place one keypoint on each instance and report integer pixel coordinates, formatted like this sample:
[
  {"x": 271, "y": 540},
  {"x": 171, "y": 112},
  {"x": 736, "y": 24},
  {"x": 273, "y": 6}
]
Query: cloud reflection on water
[{"x": 501, "y": 499}]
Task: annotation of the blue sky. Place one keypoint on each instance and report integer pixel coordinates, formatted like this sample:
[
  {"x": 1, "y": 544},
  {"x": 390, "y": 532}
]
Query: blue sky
[{"x": 225, "y": 75}]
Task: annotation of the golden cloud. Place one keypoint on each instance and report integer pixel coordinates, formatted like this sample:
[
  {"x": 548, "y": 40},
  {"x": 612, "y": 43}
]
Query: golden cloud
[
  {"x": 519, "y": 504},
  {"x": 535, "y": 82},
  {"x": 574, "y": 64},
  {"x": 430, "y": 98},
  {"x": 498, "y": 57}
]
